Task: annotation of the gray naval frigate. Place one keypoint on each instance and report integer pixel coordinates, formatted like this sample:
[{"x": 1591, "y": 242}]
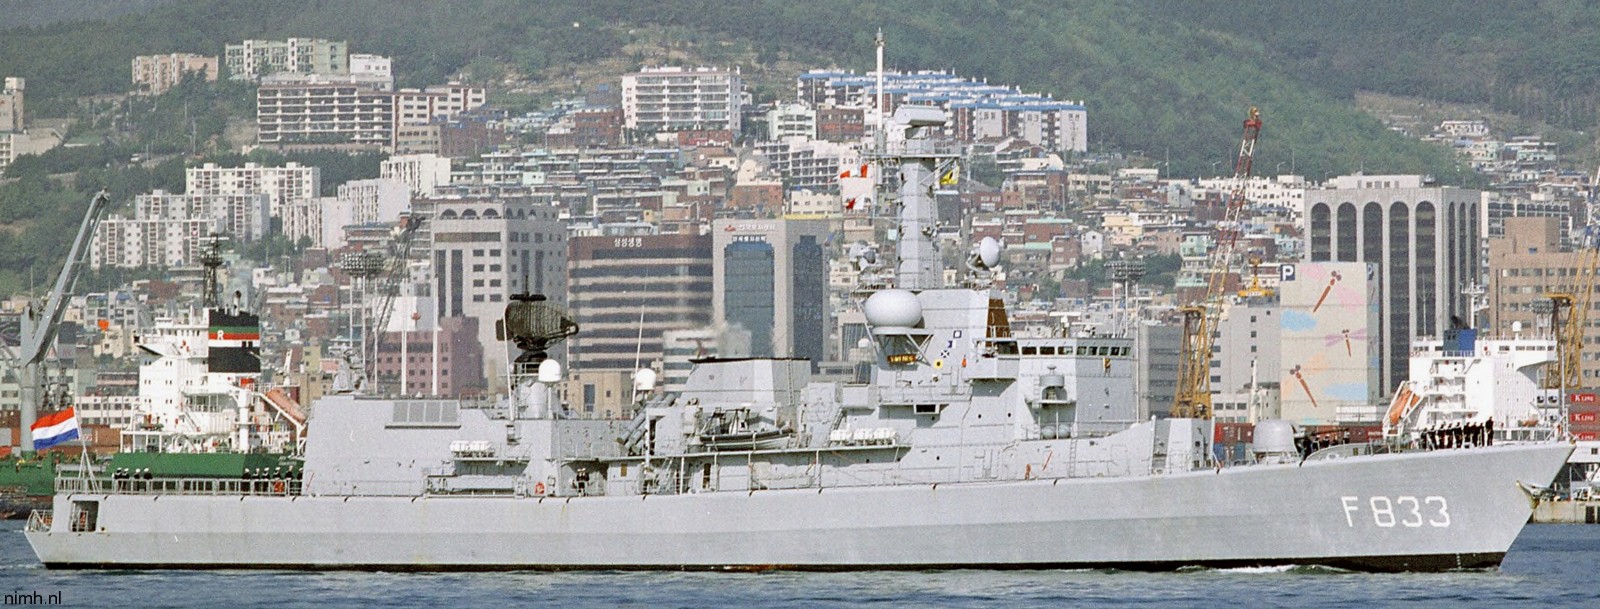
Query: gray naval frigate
[{"x": 968, "y": 447}]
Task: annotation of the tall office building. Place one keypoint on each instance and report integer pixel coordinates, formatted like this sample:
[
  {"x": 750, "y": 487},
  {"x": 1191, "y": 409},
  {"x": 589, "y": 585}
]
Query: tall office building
[
  {"x": 1245, "y": 358},
  {"x": 484, "y": 249},
  {"x": 1425, "y": 241},
  {"x": 1526, "y": 265},
  {"x": 771, "y": 280},
  {"x": 628, "y": 290}
]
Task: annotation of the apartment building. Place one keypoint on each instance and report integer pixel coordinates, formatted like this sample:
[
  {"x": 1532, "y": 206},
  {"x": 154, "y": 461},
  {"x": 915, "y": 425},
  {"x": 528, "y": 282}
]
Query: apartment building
[
  {"x": 979, "y": 110},
  {"x": 344, "y": 111},
  {"x": 291, "y": 182},
  {"x": 155, "y": 74},
  {"x": 253, "y": 59},
  {"x": 151, "y": 243},
  {"x": 324, "y": 113},
  {"x": 11, "y": 106},
  {"x": 682, "y": 99}
]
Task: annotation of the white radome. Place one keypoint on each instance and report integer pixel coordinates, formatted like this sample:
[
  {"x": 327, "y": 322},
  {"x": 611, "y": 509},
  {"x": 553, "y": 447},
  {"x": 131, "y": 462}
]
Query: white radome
[
  {"x": 989, "y": 252},
  {"x": 549, "y": 371},
  {"x": 644, "y": 380},
  {"x": 893, "y": 309}
]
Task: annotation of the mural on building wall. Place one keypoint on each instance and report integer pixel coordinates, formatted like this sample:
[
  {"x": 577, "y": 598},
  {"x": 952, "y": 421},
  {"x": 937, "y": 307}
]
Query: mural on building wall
[{"x": 1330, "y": 352}]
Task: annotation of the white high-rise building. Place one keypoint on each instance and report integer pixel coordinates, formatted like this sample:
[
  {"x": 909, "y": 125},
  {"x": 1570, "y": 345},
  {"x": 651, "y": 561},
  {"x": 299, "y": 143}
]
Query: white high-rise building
[
  {"x": 292, "y": 182},
  {"x": 134, "y": 243},
  {"x": 372, "y": 68},
  {"x": 422, "y": 173},
  {"x": 360, "y": 202},
  {"x": 303, "y": 220},
  {"x": 169, "y": 230},
  {"x": 793, "y": 119},
  {"x": 682, "y": 99},
  {"x": 243, "y": 216}
]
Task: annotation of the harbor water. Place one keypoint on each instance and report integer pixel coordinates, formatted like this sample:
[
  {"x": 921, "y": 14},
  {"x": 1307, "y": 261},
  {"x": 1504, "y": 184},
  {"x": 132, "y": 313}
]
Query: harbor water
[{"x": 1549, "y": 566}]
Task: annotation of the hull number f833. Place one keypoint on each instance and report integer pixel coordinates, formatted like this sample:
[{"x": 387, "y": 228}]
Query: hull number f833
[{"x": 1404, "y": 511}]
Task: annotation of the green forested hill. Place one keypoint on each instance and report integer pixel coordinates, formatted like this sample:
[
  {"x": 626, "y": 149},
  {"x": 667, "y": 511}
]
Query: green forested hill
[{"x": 1169, "y": 78}]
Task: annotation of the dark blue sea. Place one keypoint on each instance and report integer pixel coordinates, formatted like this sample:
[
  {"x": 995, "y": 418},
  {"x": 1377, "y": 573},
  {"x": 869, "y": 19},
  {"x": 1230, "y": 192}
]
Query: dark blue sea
[{"x": 1550, "y": 566}]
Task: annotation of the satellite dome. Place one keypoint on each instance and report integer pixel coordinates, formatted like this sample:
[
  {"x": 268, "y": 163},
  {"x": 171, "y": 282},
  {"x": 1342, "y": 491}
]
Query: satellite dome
[
  {"x": 989, "y": 252},
  {"x": 549, "y": 371},
  {"x": 893, "y": 308},
  {"x": 644, "y": 380}
]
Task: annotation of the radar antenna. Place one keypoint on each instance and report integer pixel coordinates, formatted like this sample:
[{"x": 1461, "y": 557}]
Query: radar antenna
[{"x": 533, "y": 324}]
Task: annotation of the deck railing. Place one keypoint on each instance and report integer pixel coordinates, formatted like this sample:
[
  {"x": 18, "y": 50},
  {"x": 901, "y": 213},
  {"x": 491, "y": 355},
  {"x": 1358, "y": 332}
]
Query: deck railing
[
  {"x": 39, "y": 521},
  {"x": 179, "y": 486}
]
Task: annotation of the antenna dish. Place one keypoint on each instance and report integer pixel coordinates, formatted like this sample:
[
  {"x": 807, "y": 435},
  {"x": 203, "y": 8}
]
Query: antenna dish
[{"x": 989, "y": 252}]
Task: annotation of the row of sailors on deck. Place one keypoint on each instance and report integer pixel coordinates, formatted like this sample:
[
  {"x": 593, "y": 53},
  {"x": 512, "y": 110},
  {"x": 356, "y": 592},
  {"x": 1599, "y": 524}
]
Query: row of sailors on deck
[
  {"x": 124, "y": 473},
  {"x": 1458, "y": 435},
  {"x": 270, "y": 473}
]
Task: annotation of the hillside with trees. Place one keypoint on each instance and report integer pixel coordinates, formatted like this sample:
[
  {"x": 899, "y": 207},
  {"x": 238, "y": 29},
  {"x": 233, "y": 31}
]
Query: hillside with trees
[{"x": 1168, "y": 80}]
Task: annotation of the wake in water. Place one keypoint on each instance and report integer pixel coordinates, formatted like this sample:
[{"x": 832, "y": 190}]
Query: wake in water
[{"x": 1269, "y": 570}]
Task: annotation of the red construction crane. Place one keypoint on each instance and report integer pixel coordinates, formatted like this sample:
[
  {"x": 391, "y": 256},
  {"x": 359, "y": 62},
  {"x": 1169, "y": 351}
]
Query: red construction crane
[{"x": 1193, "y": 398}]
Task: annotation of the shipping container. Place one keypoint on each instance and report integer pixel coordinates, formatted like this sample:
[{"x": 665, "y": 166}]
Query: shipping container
[
  {"x": 1586, "y": 435},
  {"x": 1584, "y": 417},
  {"x": 1232, "y": 433},
  {"x": 1583, "y": 398}
]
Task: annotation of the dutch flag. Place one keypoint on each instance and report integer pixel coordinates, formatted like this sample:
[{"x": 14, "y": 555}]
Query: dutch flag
[{"x": 55, "y": 428}]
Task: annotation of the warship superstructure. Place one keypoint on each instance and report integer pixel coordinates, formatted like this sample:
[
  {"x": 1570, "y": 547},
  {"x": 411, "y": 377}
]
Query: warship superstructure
[{"x": 968, "y": 447}]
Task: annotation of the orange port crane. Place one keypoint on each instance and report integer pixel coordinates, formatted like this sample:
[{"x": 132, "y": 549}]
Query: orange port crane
[
  {"x": 1193, "y": 398},
  {"x": 1567, "y": 371}
]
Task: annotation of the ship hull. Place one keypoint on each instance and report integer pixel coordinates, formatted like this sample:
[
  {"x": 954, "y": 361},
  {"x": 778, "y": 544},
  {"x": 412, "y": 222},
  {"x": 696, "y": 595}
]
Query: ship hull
[{"x": 1441, "y": 510}]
